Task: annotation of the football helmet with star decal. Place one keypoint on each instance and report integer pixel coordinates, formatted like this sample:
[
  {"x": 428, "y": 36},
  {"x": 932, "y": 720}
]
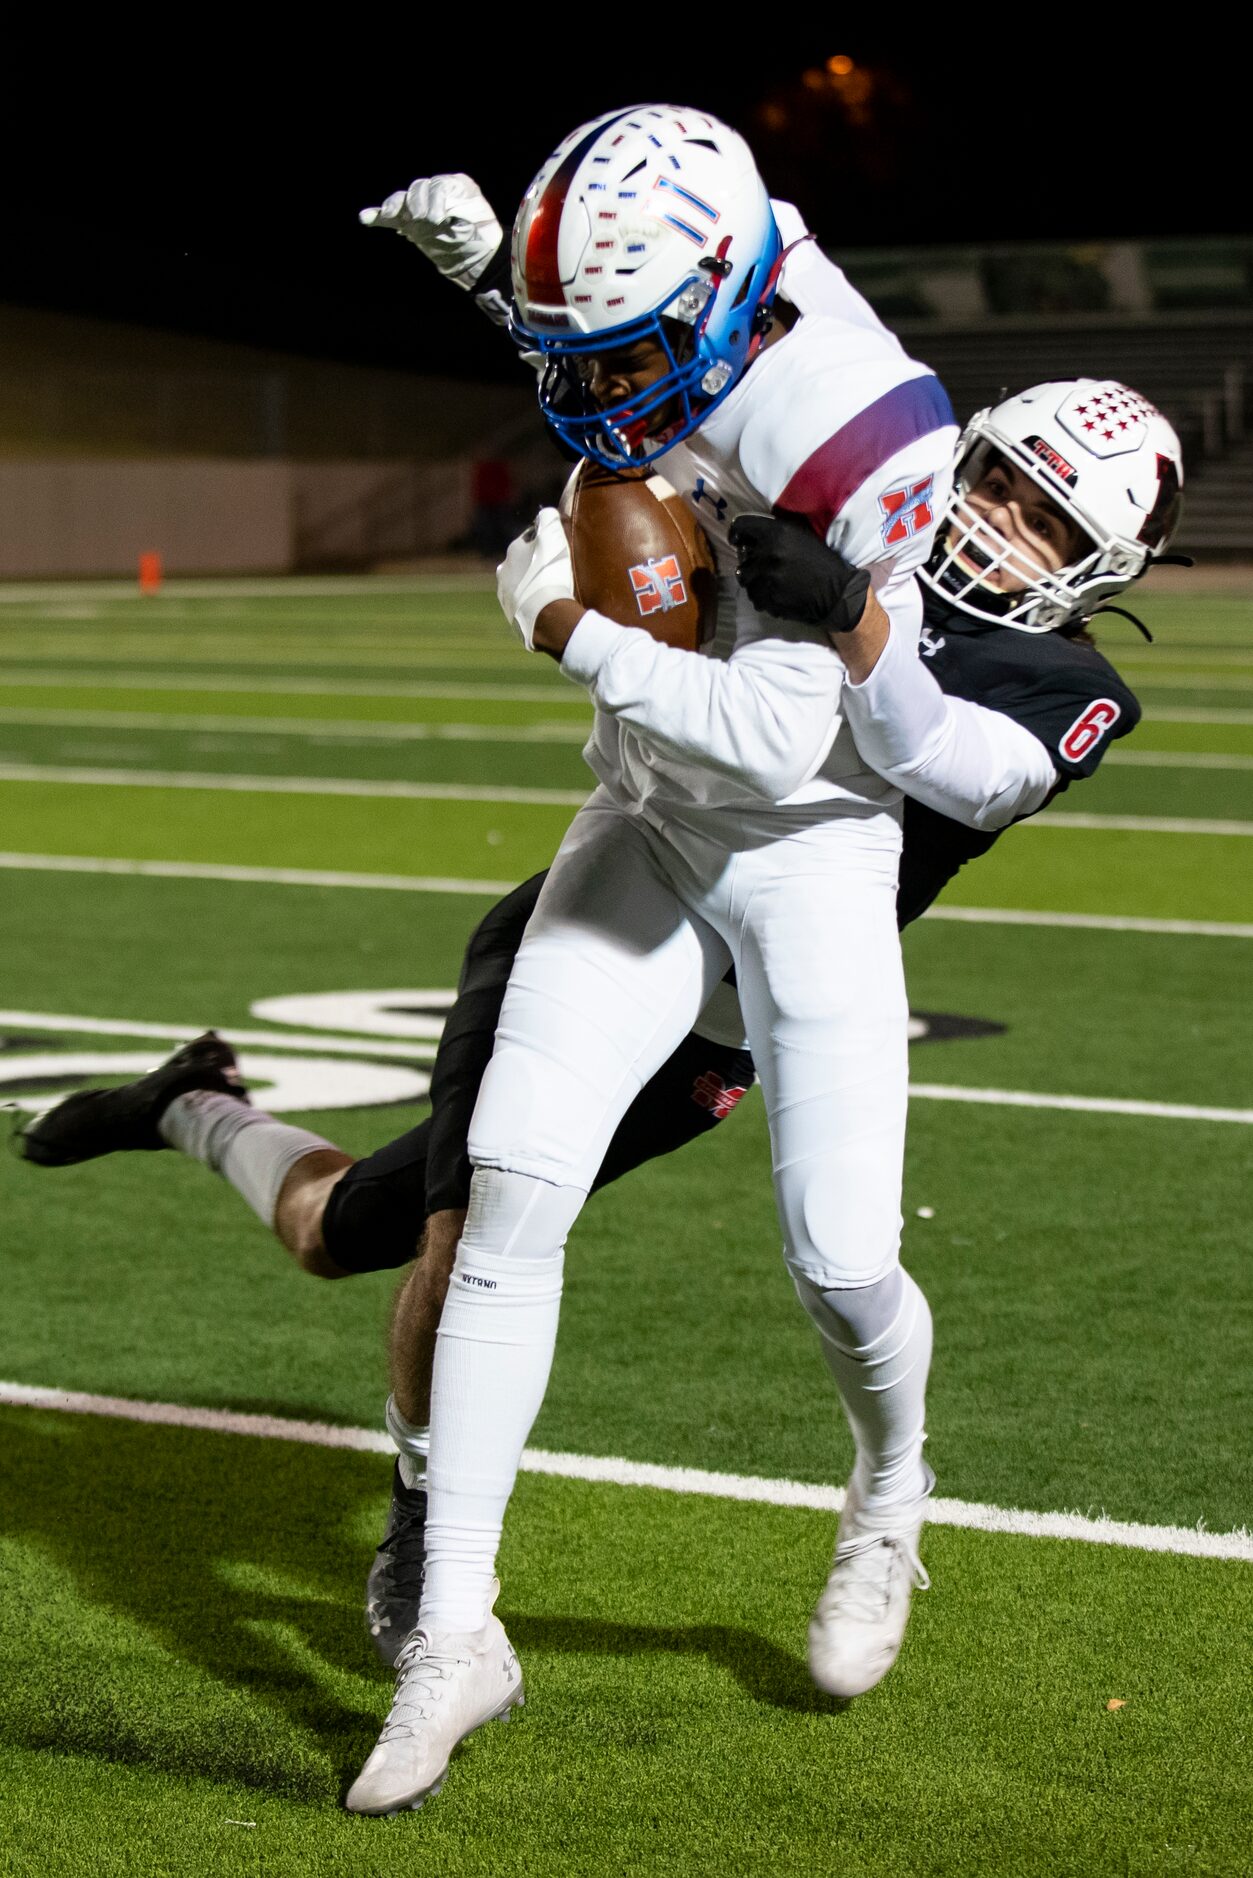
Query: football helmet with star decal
[
  {"x": 1108, "y": 462},
  {"x": 648, "y": 224}
]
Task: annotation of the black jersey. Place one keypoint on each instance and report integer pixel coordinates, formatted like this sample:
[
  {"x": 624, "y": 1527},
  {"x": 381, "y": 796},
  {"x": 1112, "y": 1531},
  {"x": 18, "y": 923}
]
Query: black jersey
[{"x": 1061, "y": 690}]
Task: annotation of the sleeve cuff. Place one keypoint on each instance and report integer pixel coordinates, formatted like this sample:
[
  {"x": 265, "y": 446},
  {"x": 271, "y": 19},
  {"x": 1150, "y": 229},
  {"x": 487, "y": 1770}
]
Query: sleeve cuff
[
  {"x": 588, "y": 646},
  {"x": 872, "y": 685}
]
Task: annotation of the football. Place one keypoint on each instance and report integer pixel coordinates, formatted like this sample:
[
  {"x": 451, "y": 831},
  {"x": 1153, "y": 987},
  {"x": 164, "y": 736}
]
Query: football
[{"x": 640, "y": 556}]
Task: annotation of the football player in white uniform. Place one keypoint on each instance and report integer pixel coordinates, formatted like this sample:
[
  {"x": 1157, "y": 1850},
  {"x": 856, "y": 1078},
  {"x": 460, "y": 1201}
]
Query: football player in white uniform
[{"x": 736, "y": 826}]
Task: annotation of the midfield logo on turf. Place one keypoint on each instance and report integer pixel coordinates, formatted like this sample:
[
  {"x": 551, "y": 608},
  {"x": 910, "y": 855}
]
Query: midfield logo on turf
[{"x": 319, "y": 1050}]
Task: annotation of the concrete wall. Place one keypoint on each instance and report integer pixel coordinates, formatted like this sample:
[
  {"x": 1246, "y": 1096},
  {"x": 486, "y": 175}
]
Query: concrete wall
[{"x": 223, "y": 515}]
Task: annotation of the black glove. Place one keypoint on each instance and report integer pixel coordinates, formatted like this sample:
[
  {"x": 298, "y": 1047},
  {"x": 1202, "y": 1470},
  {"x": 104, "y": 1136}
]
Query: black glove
[{"x": 788, "y": 572}]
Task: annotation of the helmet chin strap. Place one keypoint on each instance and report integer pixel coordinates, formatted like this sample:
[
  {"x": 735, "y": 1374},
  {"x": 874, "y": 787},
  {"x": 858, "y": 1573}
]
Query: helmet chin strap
[{"x": 1123, "y": 614}]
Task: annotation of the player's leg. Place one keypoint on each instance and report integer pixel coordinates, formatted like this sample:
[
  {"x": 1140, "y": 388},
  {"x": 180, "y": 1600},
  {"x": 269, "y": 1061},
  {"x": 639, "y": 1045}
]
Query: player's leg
[
  {"x": 610, "y": 976},
  {"x": 695, "y": 1089},
  {"x": 196, "y": 1102},
  {"x": 824, "y": 998}
]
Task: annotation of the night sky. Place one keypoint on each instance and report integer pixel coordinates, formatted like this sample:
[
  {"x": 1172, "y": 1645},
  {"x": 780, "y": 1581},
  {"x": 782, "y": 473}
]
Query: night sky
[{"x": 209, "y": 181}]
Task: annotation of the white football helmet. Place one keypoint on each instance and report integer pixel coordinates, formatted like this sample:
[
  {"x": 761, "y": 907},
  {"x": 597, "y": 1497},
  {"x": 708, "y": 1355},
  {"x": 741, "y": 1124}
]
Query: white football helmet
[
  {"x": 1110, "y": 462},
  {"x": 648, "y": 223}
]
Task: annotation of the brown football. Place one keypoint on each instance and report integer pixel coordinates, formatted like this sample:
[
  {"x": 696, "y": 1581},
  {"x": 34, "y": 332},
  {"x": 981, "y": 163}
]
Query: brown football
[{"x": 640, "y": 556}]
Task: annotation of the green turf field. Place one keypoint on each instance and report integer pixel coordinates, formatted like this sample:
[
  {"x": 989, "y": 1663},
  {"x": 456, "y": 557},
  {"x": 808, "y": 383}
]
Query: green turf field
[{"x": 188, "y": 1688}]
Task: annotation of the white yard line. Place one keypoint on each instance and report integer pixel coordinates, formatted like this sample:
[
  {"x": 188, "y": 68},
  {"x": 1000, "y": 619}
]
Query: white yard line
[
  {"x": 63, "y": 679},
  {"x": 415, "y": 1050},
  {"x": 263, "y": 587},
  {"x": 428, "y": 883},
  {"x": 293, "y": 785},
  {"x": 253, "y": 876},
  {"x": 368, "y": 730},
  {"x": 1175, "y": 759},
  {"x": 1090, "y": 922},
  {"x": 217, "y": 781},
  {"x": 1189, "y": 714},
  {"x": 1087, "y": 1105},
  {"x": 608, "y": 1471},
  {"x": 1131, "y": 824},
  {"x": 312, "y": 729}
]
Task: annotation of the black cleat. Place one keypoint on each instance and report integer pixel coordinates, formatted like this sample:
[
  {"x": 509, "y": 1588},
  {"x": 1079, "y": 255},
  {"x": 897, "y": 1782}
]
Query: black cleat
[
  {"x": 393, "y": 1590},
  {"x": 93, "y": 1122}
]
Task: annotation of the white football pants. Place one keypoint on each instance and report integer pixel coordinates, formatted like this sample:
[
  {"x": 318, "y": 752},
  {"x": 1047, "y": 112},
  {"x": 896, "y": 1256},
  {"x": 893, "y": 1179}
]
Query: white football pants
[{"x": 632, "y": 932}]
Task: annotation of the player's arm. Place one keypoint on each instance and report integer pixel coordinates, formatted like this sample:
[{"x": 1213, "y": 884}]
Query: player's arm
[
  {"x": 766, "y": 717},
  {"x": 975, "y": 765}
]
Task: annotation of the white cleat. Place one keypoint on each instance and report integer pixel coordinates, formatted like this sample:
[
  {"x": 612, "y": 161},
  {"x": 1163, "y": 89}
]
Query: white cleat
[
  {"x": 448, "y": 1684},
  {"x": 857, "y": 1629}
]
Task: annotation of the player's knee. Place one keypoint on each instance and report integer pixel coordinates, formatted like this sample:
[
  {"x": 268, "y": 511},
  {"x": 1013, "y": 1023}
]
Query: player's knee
[
  {"x": 854, "y": 1317},
  {"x": 301, "y": 1206},
  {"x": 517, "y": 1215}
]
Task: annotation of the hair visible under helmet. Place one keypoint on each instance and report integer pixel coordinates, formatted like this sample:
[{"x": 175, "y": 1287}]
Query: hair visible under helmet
[
  {"x": 651, "y": 224},
  {"x": 1113, "y": 466}
]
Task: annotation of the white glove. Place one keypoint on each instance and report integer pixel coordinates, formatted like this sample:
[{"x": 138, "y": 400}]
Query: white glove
[
  {"x": 536, "y": 570},
  {"x": 448, "y": 219}
]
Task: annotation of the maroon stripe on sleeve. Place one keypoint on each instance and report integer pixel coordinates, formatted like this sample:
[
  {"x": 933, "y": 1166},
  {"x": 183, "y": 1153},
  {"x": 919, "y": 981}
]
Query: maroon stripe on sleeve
[{"x": 838, "y": 468}]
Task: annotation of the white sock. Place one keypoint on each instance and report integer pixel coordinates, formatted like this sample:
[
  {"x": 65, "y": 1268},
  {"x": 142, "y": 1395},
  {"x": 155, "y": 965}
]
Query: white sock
[
  {"x": 492, "y": 1358},
  {"x": 881, "y": 1374},
  {"x": 245, "y": 1145},
  {"x": 413, "y": 1444}
]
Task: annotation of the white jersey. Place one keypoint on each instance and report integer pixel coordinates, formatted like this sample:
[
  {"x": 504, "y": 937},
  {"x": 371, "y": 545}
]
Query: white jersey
[{"x": 833, "y": 422}]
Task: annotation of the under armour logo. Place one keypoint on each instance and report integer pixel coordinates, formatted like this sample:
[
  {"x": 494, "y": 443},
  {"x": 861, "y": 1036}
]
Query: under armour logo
[
  {"x": 929, "y": 642},
  {"x": 717, "y": 503}
]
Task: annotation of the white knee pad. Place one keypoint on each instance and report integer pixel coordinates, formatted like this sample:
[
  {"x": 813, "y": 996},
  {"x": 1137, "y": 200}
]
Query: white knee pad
[
  {"x": 854, "y": 1318},
  {"x": 517, "y": 1216}
]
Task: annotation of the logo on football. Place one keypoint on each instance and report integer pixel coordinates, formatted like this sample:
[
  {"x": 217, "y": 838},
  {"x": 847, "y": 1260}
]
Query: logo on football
[{"x": 658, "y": 585}]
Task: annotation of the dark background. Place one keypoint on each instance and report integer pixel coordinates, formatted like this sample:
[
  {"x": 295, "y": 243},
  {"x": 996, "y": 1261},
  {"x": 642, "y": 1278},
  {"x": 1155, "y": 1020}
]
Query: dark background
[{"x": 205, "y": 176}]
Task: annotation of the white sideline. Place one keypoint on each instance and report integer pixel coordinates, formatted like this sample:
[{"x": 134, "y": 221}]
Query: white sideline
[
  {"x": 215, "y": 780},
  {"x": 439, "y": 883},
  {"x": 294, "y": 785},
  {"x": 610, "y": 1471}
]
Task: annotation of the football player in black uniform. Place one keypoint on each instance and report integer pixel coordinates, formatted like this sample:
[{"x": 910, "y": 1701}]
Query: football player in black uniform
[{"x": 1042, "y": 530}]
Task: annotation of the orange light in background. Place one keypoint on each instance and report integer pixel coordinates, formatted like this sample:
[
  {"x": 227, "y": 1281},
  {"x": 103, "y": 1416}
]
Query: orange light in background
[
  {"x": 773, "y": 116},
  {"x": 151, "y": 573},
  {"x": 840, "y": 66}
]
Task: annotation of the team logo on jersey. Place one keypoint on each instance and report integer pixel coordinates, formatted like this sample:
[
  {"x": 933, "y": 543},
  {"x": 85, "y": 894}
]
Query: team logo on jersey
[
  {"x": 1054, "y": 460},
  {"x": 710, "y": 1092},
  {"x": 907, "y": 511},
  {"x": 658, "y": 585},
  {"x": 716, "y": 502},
  {"x": 1088, "y": 729}
]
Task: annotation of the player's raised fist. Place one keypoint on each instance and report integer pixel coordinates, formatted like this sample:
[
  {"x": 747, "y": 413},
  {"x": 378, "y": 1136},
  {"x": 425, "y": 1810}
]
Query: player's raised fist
[{"x": 450, "y": 221}]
